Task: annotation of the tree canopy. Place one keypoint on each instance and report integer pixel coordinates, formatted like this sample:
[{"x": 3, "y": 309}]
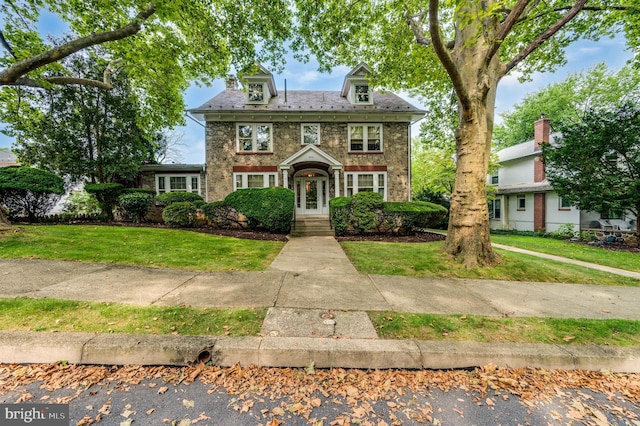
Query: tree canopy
[
  {"x": 567, "y": 101},
  {"x": 162, "y": 44},
  {"x": 467, "y": 46},
  {"x": 81, "y": 131},
  {"x": 595, "y": 165}
]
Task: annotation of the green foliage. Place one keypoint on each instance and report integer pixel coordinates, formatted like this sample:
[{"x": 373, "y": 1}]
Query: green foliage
[
  {"x": 81, "y": 203},
  {"x": 364, "y": 211},
  {"x": 340, "y": 212},
  {"x": 79, "y": 131},
  {"x": 221, "y": 215},
  {"x": 179, "y": 42},
  {"x": 29, "y": 192},
  {"x": 181, "y": 214},
  {"x": 177, "y": 197},
  {"x": 405, "y": 218},
  {"x": 565, "y": 232},
  {"x": 136, "y": 205},
  {"x": 567, "y": 101},
  {"x": 596, "y": 164},
  {"x": 107, "y": 195},
  {"x": 270, "y": 209},
  {"x": 431, "y": 196}
]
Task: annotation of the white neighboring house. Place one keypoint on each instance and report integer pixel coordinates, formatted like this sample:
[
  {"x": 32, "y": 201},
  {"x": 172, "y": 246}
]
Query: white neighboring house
[{"x": 526, "y": 201}]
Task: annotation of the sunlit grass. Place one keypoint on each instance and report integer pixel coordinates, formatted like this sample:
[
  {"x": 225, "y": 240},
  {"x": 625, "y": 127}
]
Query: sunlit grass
[
  {"x": 151, "y": 247},
  {"x": 428, "y": 260},
  {"x": 392, "y": 325},
  {"x": 71, "y": 316}
]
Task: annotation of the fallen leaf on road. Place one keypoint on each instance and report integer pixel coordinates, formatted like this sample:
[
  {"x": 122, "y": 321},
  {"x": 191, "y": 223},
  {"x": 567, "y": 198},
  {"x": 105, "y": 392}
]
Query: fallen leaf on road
[
  {"x": 188, "y": 404},
  {"x": 162, "y": 390}
]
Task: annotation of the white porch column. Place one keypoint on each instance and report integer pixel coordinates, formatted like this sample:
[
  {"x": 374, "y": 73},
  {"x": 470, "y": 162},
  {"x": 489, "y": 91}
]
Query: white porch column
[
  {"x": 285, "y": 177},
  {"x": 336, "y": 178}
]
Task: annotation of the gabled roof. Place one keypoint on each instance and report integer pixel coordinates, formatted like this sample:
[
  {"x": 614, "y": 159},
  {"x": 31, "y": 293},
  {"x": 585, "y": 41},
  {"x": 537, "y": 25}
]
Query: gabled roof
[
  {"x": 307, "y": 101},
  {"x": 312, "y": 154},
  {"x": 361, "y": 70},
  {"x": 263, "y": 74},
  {"x": 522, "y": 150}
]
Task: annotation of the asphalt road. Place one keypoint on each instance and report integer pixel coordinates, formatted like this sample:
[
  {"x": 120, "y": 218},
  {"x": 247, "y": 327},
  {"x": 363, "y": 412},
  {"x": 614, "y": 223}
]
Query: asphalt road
[{"x": 155, "y": 401}]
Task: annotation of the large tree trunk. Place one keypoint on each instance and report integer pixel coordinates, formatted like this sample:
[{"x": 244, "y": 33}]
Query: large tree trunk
[{"x": 475, "y": 75}]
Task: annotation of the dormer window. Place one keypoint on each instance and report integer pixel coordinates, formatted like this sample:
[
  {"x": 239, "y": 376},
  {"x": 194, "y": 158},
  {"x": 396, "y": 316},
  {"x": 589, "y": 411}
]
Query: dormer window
[
  {"x": 255, "y": 92},
  {"x": 361, "y": 93}
]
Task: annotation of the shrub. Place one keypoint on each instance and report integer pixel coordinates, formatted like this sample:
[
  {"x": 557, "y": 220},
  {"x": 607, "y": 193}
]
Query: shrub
[
  {"x": 365, "y": 207},
  {"x": 221, "y": 215},
  {"x": 136, "y": 205},
  {"x": 340, "y": 212},
  {"x": 139, "y": 190},
  {"x": 180, "y": 214},
  {"x": 178, "y": 197},
  {"x": 407, "y": 217},
  {"x": 81, "y": 203},
  {"x": 270, "y": 209},
  {"x": 30, "y": 192},
  {"x": 565, "y": 232},
  {"x": 107, "y": 195}
]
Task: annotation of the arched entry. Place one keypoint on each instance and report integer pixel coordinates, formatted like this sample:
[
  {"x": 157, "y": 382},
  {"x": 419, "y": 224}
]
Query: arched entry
[{"x": 311, "y": 187}]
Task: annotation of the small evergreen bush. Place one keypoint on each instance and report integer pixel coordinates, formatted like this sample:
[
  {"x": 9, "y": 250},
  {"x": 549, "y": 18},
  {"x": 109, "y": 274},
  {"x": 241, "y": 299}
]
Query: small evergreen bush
[
  {"x": 107, "y": 195},
  {"x": 340, "y": 212},
  {"x": 136, "y": 205},
  {"x": 177, "y": 197},
  {"x": 30, "y": 192},
  {"x": 270, "y": 209},
  {"x": 365, "y": 207},
  {"x": 180, "y": 214},
  {"x": 407, "y": 217}
]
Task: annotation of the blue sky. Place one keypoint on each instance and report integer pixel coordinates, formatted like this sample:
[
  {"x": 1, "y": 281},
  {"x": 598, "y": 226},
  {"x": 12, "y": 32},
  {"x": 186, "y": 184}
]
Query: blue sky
[{"x": 580, "y": 56}]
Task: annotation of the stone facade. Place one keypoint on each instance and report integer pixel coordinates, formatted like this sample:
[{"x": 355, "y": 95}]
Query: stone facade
[{"x": 221, "y": 155}]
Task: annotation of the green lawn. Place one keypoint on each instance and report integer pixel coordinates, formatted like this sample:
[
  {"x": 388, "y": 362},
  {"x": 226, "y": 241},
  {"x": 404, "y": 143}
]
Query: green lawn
[
  {"x": 428, "y": 259},
  {"x": 67, "y": 315},
  {"x": 150, "y": 247},
  {"x": 392, "y": 325},
  {"x": 614, "y": 259}
]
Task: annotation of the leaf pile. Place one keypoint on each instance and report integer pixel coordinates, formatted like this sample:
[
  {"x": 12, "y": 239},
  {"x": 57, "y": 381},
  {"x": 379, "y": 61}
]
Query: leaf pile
[{"x": 303, "y": 390}]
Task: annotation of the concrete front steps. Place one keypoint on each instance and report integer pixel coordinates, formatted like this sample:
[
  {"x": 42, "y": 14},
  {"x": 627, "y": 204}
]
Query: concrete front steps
[{"x": 312, "y": 226}]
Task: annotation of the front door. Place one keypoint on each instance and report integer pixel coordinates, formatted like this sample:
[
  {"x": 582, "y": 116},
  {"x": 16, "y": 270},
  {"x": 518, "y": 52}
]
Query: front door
[{"x": 311, "y": 196}]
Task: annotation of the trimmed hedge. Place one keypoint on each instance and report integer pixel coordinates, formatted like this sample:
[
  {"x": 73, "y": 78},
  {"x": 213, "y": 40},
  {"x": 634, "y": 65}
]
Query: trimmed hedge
[
  {"x": 181, "y": 214},
  {"x": 28, "y": 191},
  {"x": 136, "y": 205},
  {"x": 362, "y": 214},
  {"x": 107, "y": 195},
  {"x": 178, "y": 197},
  {"x": 269, "y": 209}
]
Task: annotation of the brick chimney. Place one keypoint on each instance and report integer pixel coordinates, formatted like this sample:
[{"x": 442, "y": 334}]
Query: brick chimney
[
  {"x": 541, "y": 130},
  {"x": 232, "y": 82}
]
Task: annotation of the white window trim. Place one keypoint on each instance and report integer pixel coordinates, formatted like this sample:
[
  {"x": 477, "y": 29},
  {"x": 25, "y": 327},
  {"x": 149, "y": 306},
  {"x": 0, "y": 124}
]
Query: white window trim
[
  {"x": 254, "y": 143},
  {"x": 302, "y": 128},
  {"x": 245, "y": 178},
  {"x": 167, "y": 182},
  {"x": 492, "y": 209},
  {"x": 353, "y": 96},
  {"x": 560, "y": 207},
  {"x": 365, "y": 138},
  {"x": 518, "y": 198},
  {"x": 264, "y": 93},
  {"x": 376, "y": 187}
]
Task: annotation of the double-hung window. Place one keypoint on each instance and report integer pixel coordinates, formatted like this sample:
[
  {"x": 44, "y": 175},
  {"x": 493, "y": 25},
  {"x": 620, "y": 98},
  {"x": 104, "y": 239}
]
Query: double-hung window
[
  {"x": 361, "y": 94},
  {"x": 366, "y": 182},
  {"x": 494, "y": 209},
  {"x": 310, "y": 134},
  {"x": 365, "y": 137},
  {"x": 522, "y": 202},
  {"x": 255, "y": 92},
  {"x": 254, "y": 180},
  {"x": 178, "y": 183},
  {"x": 254, "y": 138}
]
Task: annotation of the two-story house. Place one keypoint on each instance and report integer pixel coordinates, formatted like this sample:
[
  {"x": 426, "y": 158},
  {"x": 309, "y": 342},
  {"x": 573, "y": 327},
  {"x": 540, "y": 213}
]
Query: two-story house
[
  {"x": 321, "y": 144},
  {"x": 526, "y": 201}
]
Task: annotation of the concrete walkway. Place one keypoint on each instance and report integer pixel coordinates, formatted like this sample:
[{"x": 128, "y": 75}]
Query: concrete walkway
[{"x": 318, "y": 303}]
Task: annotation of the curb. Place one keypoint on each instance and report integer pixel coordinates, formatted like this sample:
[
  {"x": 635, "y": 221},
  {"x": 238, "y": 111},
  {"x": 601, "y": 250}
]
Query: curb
[{"x": 120, "y": 349}]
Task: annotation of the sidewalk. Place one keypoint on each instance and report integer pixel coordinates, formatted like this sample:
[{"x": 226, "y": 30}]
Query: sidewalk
[{"x": 318, "y": 304}]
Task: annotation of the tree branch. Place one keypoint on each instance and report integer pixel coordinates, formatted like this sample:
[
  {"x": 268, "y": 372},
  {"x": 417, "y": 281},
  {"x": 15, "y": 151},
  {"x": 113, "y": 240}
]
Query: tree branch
[
  {"x": 505, "y": 29},
  {"x": 416, "y": 28},
  {"x": 575, "y": 9},
  {"x": 445, "y": 57},
  {"x": 12, "y": 74}
]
